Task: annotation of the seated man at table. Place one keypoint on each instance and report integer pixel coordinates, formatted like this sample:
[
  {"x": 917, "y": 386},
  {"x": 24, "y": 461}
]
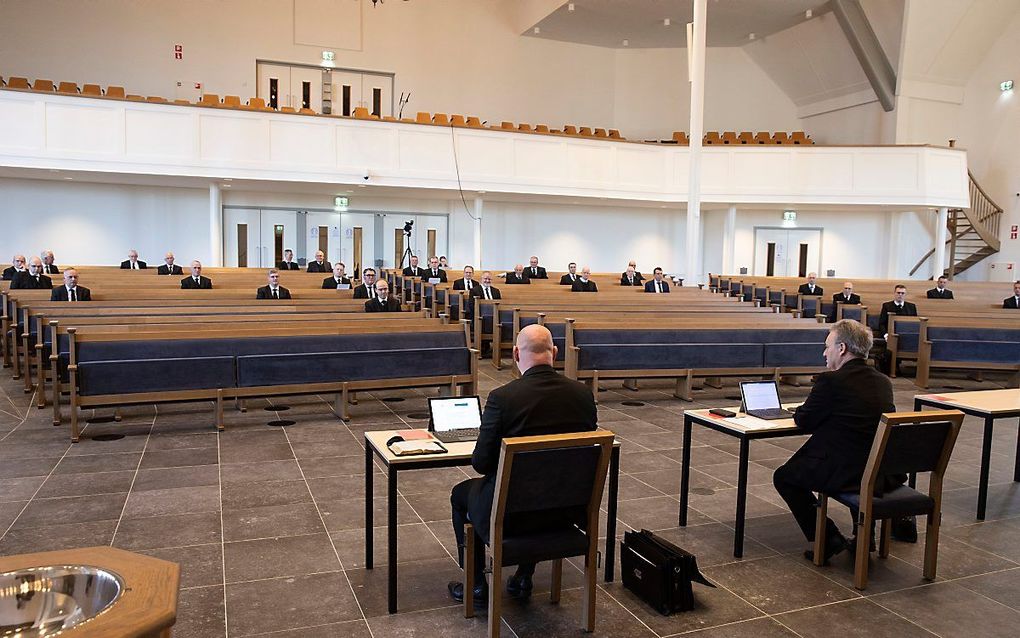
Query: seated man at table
[
  {"x": 367, "y": 289},
  {"x": 413, "y": 270},
  {"x": 898, "y": 306},
  {"x": 288, "y": 262},
  {"x": 434, "y": 271},
  {"x": 168, "y": 267},
  {"x": 534, "y": 271},
  {"x": 846, "y": 297},
  {"x": 468, "y": 282},
  {"x": 17, "y": 266},
  {"x": 196, "y": 281},
  {"x": 1014, "y": 301},
  {"x": 940, "y": 291},
  {"x": 33, "y": 279},
  {"x": 571, "y": 276},
  {"x": 71, "y": 291},
  {"x": 132, "y": 262},
  {"x": 658, "y": 282},
  {"x": 841, "y": 414},
  {"x": 383, "y": 302},
  {"x": 584, "y": 282},
  {"x": 539, "y": 402},
  {"x": 809, "y": 287},
  {"x": 49, "y": 267},
  {"x": 337, "y": 279},
  {"x": 517, "y": 276},
  {"x": 273, "y": 290},
  {"x": 631, "y": 276},
  {"x": 320, "y": 264}
]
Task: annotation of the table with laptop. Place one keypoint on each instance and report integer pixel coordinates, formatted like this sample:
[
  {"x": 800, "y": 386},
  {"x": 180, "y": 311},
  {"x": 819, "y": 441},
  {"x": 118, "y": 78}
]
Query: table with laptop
[
  {"x": 761, "y": 415},
  {"x": 988, "y": 405},
  {"x": 454, "y": 424}
]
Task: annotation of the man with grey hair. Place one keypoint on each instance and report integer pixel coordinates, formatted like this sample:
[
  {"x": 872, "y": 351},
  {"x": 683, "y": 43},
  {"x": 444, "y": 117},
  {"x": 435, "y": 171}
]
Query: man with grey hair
[
  {"x": 49, "y": 267},
  {"x": 17, "y": 266},
  {"x": 841, "y": 414},
  {"x": 34, "y": 279}
]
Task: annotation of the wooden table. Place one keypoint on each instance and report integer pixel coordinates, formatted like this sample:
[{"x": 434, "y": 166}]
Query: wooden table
[
  {"x": 984, "y": 404},
  {"x": 458, "y": 455},
  {"x": 754, "y": 429}
]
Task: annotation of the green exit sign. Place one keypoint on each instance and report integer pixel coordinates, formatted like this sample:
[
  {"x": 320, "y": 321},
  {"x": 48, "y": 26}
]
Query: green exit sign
[
  {"x": 789, "y": 216},
  {"x": 340, "y": 201}
]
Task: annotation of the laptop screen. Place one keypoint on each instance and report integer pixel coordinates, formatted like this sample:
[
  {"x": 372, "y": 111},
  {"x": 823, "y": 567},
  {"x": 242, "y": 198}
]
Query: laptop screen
[
  {"x": 759, "y": 395},
  {"x": 455, "y": 413}
]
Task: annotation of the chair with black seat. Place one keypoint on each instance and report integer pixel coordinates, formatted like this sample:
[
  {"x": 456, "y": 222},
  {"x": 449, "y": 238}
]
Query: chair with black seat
[
  {"x": 906, "y": 443},
  {"x": 545, "y": 507}
]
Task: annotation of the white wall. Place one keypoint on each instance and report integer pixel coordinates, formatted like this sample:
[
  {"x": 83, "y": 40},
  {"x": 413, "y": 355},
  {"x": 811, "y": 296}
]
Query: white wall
[{"x": 84, "y": 223}]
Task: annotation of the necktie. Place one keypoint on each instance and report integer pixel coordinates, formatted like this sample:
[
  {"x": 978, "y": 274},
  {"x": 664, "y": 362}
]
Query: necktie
[
  {"x": 73, "y": 294},
  {"x": 276, "y": 293},
  {"x": 658, "y": 287},
  {"x": 134, "y": 265},
  {"x": 37, "y": 279},
  {"x": 534, "y": 271},
  {"x": 468, "y": 283},
  {"x": 488, "y": 295},
  {"x": 197, "y": 281}
]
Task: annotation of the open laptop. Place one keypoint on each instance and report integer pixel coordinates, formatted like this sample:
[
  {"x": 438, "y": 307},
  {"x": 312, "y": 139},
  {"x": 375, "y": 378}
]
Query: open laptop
[
  {"x": 761, "y": 399},
  {"x": 453, "y": 419}
]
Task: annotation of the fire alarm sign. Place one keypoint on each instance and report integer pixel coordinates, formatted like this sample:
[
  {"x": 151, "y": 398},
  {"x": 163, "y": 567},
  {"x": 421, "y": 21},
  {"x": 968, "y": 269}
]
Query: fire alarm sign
[{"x": 178, "y": 51}]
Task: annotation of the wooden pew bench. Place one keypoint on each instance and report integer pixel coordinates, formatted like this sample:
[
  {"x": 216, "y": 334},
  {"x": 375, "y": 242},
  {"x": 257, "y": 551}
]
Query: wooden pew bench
[{"x": 966, "y": 344}]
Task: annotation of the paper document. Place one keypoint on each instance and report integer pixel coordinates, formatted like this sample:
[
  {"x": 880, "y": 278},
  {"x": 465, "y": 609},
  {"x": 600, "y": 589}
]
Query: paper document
[
  {"x": 749, "y": 423},
  {"x": 407, "y": 448}
]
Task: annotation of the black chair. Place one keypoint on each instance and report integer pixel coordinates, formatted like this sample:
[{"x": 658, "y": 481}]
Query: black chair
[
  {"x": 545, "y": 507},
  {"x": 906, "y": 442}
]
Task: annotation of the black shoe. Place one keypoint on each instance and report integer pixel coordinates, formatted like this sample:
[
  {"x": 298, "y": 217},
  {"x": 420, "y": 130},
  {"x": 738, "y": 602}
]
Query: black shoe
[
  {"x": 905, "y": 529},
  {"x": 519, "y": 586},
  {"x": 481, "y": 594},
  {"x": 833, "y": 545}
]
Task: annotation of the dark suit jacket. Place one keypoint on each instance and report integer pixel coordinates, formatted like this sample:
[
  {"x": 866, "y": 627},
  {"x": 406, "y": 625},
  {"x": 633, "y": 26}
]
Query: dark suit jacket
[
  {"x": 540, "y": 402},
  {"x": 374, "y": 305},
  {"x": 638, "y": 278},
  {"x": 60, "y": 294},
  {"x": 188, "y": 283},
  {"x": 935, "y": 294},
  {"x": 126, "y": 265},
  {"x": 439, "y": 273},
  {"x": 838, "y": 298},
  {"x": 513, "y": 280},
  {"x": 288, "y": 265},
  {"x": 330, "y": 282},
  {"x": 265, "y": 293},
  {"x": 51, "y": 269},
  {"x": 841, "y": 413},
  {"x": 361, "y": 292},
  {"x": 542, "y": 274},
  {"x": 805, "y": 290},
  {"x": 580, "y": 286},
  {"x": 889, "y": 308},
  {"x": 28, "y": 282},
  {"x": 479, "y": 292},
  {"x": 1009, "y": 302},
  {"x": 650, "y": 286},
  {"x": 565, "y": 280},
  {"x": 9, "y": 273},
  {"x": 166, "y": 270},
  {"x": 313, "y": 266},
  {"x": 413, "y": 272},
  {"x": 459, "y": 284}
]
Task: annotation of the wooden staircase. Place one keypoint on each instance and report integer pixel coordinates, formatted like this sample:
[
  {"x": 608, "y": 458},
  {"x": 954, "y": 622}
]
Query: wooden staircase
[{"x": 973, "y": 232}]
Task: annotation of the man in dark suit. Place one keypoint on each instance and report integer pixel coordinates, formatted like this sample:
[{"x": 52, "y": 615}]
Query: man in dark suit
[
  {"x": 658, "y": 282},
  {"x": 631, "y": 277},
  {"x": 486, "y": 290},
  {"x": 168, "y": 267},
  {"x": 940, "y": 291},
  {"x": 841, "y": 414},
  {"x": 367, "y": 289},
  {"x": 1014, "y": 301},
  {"x": 338, "y": 279},
  {"x": 584, "y": 282},
  {"x": 809, "y": 287},
  {"x": 846, "y": 297},
  {"x": 196, "y": 281},
  {"x": 288, "y": 262},
  {"x": 413, "y": 270},
  {"x": 539, "y": 402},
  {"x": 517, "y": 276},
  {"x": 383, "y": 302},
  {"x": 571, "y": 276},
  {"x": 534, "y": 271},
  {"x": 132, "y": 263},
  {"x": 898, "y": 306},
  {"x": 49, "y": 268},
  {"x": 71, "y": 291},
  {"x": 17, "y": 266},
  {"x": 434, "y": 271},
  {"x": 467, "y": 283},
  {"x": 320, "y": 264},
  {"x": 274, "y": 290},
  {"x": 33, "y": 279}
]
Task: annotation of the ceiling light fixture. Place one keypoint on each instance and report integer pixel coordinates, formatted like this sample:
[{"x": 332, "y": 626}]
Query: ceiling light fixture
[
  {"x": 750, "y": 36},
  {"x": 665, "y": 22},
  {"x": 808, "y": 14},
  {"x": 626, "y": 43},
  {"x": 1006, "y": 86},
  {"x": 570, "y": 6},
  {"x": 538, "y": 30}
]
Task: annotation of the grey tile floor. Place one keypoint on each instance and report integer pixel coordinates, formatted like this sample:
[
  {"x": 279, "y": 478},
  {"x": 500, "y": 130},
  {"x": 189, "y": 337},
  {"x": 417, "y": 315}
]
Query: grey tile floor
[{"x": 267, "y": 524}]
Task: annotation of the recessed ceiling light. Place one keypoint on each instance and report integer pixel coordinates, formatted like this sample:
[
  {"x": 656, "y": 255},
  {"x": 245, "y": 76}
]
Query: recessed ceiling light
[
  {"x": 226, "y": 185},
  {"x": 482, "y": 192},
  {"x": 538, "y": 30},
  {"x": 808, "y": 14},
  {"x": 228, "y": 179},
  {"x": 570, "y": 6},
  {"x": 361, "y": 186},
  {"x": 68, "y": 178},
  {"x": 626, "y": 43},
  {"x": 665, "y": 22},
  {"x": 750, "y": 36}
]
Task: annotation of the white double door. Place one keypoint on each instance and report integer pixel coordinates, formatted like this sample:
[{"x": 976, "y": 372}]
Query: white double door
[
  {"x": 293, "y": 86},
  {"x": 782, "y": 252},
  {"x": 257, "y": 238}
]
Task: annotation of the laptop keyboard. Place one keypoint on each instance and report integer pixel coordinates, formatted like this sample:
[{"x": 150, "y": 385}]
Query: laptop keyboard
[
  {"x": 770, "y": 413},
  {"x": 452, "y": 436}
]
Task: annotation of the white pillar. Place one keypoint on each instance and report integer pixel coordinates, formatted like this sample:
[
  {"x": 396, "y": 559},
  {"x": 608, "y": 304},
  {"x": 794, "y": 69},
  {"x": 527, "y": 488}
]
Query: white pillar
[
  {"x": 215, "y": 226},
  {"x": 696, "y": 73},
  {"x": 729, "y": 240},
  {"x": 941, "y": 235},
  {"x": 478, "y": 232}
]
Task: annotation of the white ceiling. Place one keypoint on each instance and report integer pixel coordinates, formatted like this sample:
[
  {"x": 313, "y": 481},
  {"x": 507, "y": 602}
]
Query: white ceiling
[{"x": 607, "y": 23}]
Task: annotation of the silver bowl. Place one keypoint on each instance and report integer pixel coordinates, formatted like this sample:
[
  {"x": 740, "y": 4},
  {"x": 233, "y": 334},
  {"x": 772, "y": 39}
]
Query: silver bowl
[{"x": 41, "y": 601}]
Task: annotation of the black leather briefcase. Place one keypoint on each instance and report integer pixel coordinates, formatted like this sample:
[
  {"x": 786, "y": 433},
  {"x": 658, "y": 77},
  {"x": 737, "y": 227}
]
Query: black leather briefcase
[{"x": 659, "y": 572}]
